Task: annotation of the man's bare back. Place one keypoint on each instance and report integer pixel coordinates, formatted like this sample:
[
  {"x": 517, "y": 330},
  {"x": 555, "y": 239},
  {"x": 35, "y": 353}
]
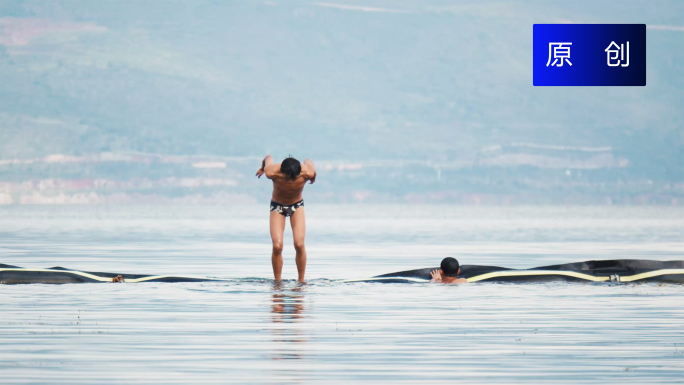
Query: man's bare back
[{"x": 289, "y": 179}]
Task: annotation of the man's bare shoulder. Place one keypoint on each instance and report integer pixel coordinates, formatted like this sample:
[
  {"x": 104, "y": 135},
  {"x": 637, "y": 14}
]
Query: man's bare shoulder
[
  {"x": 273, "y": 171},
  {"x": 278, "y": 177},
  {"x": 308, "y": 171},
  {"x": 454, "y": 280}
]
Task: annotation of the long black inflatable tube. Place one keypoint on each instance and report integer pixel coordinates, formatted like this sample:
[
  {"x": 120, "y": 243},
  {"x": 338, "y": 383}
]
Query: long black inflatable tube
[
  {"x": 15, "y": 275},
  {"x": 617, "y": 270},
  {"x": 621, "y": 270}
]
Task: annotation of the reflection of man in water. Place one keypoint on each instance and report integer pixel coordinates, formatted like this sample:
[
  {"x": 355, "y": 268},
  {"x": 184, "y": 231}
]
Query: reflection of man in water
[
  {"x": 448, "y": 272},
  {"x": 289, "y": 178},
  {"x": 287, "y": 311},
  {"x": 287, "y": 307}
]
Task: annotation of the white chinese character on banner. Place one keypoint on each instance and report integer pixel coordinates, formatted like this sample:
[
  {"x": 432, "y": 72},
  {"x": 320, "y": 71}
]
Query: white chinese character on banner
[
  {"x": 617, "y": 54},
  {"x": 560, "y": 52}
]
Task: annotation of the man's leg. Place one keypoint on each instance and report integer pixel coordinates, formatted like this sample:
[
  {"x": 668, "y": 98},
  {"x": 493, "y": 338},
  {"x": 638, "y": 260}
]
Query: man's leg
[
  {"x": 298, "y": 233},
  {"x": 277, "y": 229}
]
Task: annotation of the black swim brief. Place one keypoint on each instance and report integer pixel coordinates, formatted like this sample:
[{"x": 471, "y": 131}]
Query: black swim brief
[{"x": 286, "y": 211}]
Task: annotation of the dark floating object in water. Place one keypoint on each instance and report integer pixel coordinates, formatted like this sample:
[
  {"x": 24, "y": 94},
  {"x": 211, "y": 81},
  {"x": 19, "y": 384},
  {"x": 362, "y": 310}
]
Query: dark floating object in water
[
  {"x": 13, "y": 274},
  {"x": 619, "y": 270}
]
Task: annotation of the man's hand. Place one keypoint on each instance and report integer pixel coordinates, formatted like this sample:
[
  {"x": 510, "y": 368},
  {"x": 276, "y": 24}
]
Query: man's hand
[
  {"x": 309, "y": 163},
  {"x": 267, "y": 161},
  {"x": 436, "y": 275}
]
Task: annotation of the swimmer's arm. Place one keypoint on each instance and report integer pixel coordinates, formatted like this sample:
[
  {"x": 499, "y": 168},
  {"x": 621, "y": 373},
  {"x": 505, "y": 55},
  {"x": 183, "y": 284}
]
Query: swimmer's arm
[
  {"x": 268, "y": 167},
  {"x": 310, "y": 171},
  {"x": 436, "y": 276}
]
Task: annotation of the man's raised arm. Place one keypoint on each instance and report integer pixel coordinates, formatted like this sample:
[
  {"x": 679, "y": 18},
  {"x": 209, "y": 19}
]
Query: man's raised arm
[
  {"x": 268, "y": 167},
  {"x": 310, "y": 170}
]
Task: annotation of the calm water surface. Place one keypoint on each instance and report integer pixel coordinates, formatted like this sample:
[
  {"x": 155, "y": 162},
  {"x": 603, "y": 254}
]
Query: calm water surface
[{"x": 248, "y": 330}]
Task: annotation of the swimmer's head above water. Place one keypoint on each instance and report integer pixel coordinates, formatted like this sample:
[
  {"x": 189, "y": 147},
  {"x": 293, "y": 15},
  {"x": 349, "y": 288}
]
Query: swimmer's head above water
[
  {"x": 291, "y": 167},
  {"x": 450, "y": 267},
  {"x": 448, "y": 272}
]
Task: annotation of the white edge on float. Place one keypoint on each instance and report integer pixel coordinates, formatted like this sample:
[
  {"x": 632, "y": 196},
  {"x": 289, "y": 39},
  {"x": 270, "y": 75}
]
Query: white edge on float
[
  {"x": 419, "y": 280},
  {"x": 106, "y": 279}
]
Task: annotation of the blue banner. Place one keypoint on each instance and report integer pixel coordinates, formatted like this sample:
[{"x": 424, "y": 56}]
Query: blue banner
[{"x": 589, "y": 55}]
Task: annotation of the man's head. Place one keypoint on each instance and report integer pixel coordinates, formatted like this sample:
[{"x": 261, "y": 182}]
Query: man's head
[
  {"x": 291, "y": 167},
  {"x": 450, "y": 267}
]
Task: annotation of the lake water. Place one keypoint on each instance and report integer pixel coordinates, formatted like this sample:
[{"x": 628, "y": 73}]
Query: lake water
[{"x": 248, "y": 330}]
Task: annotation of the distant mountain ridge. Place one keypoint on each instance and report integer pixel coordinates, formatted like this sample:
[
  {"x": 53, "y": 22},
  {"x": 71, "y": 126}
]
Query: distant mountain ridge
[{"x": 435, "y": 82}]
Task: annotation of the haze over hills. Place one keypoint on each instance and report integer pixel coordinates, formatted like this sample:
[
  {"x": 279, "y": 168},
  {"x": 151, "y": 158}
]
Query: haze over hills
[{"x": 111, "y": 101}]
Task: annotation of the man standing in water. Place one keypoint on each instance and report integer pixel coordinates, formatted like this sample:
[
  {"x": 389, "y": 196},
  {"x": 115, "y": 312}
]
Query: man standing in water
[{"x": 288, "y": 179}]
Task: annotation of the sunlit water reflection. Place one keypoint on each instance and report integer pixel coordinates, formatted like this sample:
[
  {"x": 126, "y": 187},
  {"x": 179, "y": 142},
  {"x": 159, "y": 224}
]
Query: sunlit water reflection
[{"x": 247, "y": 329}]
